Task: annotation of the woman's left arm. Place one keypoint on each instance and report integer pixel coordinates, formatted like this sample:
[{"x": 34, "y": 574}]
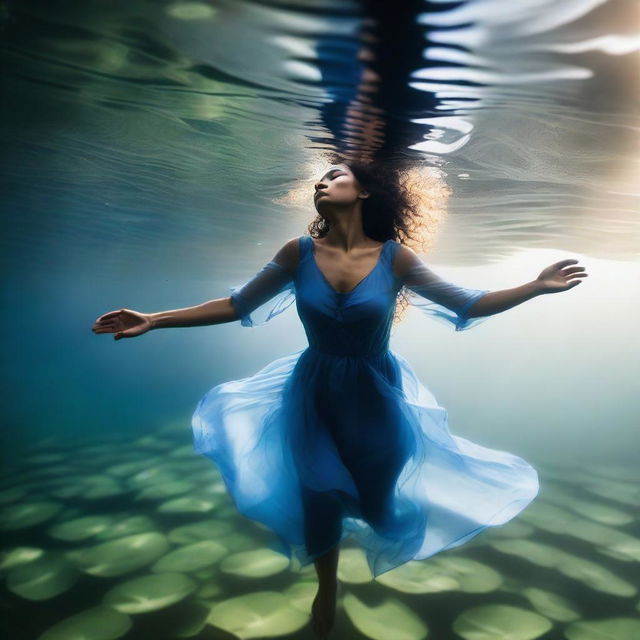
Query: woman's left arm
[{"x": 560, "y": 276}]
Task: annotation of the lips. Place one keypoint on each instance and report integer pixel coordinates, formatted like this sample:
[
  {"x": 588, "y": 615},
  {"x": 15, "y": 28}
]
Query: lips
[{"x": 319, "y": 193}]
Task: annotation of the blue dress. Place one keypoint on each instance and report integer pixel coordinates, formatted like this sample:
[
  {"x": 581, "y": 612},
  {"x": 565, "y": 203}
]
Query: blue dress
[{"x": 342, "y": 438}]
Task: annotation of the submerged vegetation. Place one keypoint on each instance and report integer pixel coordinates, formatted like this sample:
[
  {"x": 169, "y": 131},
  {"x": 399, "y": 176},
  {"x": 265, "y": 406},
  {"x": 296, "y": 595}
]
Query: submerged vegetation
[{"x": 143, "y": 539}]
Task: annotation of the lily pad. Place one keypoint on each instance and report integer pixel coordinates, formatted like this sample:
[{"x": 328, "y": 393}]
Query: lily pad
[
  {"x": 575, "y": 567},
  {"x": 257, "y": 615},
  {"x": 121, "y": 556},
  {"x": 102, "y": 486},
  {"x": 616, "y": 555},
  {"x": 238, "y": 542},
  {"x": 188, "y": 504},
  {"x": 535, "y": 552},
  {"x": 390, "y": 619},
  {"x": 126, "y": 469},
  {"x": 301, "y": 594},
  {"x": 191, "y": 557},
  {"x": 27, "y": 514},
  {"x": 617, "y": 541},
  {"x": 353, "y": 567},
  {"x": 472, "y": 576},
  {"x": 164, "y": 490},
  {"x": 186, "y": 451},
  {"x": 80, "y": 528},
  {"x": 418, "y": 576},
  {"x": 550, "y": 518},
  {"x": 152, "y": 442},
  {"x": 203, "y": 530},
  {"x": 191, "y": 11},
  {"x": 592, "y": 509},
  {"x": 44, "y": 578},
  {"x": 595, "y": 576},
  {"x": 126, "y": 527},
  {"x": 611, "y": 629},
  {"x": 500, "y": 622},
  {"x": 18, "y": 556},
  {"x": 97, "y": 623},
  {"x": 217, "y": 486},
  {"x": 259, "y": 563},
  {"x": 551, "y": 605},
  {"x": 621, "y": 492},
  {"x": 151, "y": 476},
  {"x": 150, "y": 593}
]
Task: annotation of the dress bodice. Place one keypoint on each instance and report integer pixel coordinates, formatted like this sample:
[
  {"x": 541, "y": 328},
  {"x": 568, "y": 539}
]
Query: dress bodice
[
  {"x": 353, "y": 323},
  {"x": 357, "y": 322}
]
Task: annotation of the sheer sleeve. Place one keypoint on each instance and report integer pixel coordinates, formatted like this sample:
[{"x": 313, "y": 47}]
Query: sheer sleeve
[
  {"x": 264, "y": 296},
  {"x": 446, "y": 302}
]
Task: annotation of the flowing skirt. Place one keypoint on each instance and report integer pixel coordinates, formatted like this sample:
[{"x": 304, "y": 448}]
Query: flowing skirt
[{"x": 318, "y": 447}]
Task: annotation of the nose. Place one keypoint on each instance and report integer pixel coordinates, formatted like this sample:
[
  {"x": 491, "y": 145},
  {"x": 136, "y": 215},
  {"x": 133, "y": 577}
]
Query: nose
[{"x": 319, "y": 186}]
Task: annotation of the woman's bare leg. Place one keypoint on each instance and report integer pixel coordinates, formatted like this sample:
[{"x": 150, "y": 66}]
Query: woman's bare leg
[{"x": 324, "y": 606}]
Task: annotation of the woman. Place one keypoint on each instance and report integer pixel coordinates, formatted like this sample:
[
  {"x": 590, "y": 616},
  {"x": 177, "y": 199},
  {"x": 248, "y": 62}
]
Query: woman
[{"x": 341, "y": 437}]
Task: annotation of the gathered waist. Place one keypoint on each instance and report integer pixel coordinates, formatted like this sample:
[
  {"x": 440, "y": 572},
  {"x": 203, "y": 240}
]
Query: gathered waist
[{"x": 342, "y": 354}]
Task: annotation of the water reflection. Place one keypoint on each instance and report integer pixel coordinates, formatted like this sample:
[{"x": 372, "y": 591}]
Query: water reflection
[{"x": 530, "y": 112}]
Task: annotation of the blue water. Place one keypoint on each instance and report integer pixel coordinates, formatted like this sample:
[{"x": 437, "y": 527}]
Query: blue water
[{"x": 156, "y": 153}]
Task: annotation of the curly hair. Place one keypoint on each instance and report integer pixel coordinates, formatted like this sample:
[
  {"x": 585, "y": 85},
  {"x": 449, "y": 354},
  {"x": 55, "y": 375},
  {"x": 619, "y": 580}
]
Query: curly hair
[{"x": 406, "y": 204}]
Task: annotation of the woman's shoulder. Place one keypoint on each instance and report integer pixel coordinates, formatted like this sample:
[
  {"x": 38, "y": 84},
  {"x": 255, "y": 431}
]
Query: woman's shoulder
[
  {"x": 405, "y": 253},
  {"x": 293, "y": 252},
  {"x": 288, "y": 256},
  {"x": 404, "y": 259}
]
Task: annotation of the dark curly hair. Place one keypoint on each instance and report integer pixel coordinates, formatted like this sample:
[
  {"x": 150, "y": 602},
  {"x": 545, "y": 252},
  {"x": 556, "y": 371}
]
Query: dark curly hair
[{"x": 395, "y": 209}]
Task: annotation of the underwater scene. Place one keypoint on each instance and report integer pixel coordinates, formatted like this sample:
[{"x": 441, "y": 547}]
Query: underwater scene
[{"x": 157, "y": 153}]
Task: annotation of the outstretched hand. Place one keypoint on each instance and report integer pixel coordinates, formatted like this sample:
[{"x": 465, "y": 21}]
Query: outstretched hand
[
  {"x": 125, "y": 323},
  {"x": 560, "y": 277}
]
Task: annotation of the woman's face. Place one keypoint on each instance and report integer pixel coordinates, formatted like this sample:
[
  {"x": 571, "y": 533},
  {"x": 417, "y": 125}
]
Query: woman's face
[{"x": 337, "y": 187}]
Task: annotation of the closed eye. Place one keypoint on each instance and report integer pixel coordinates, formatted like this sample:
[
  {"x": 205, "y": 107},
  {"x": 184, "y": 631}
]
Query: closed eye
[{"x": 332, "y": 174}]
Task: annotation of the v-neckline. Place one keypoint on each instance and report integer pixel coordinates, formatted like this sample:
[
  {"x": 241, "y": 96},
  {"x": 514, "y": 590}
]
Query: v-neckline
[{"x": 324, "y": 278}]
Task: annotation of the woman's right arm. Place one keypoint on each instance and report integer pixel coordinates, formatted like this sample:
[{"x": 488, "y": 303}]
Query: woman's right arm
[
  {"x": 216, "y": 311},
  {"x": 126, "y": 323}
]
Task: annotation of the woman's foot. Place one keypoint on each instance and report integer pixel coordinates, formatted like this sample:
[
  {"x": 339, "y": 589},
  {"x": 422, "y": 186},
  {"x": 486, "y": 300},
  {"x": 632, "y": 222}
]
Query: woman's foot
[{"x": 323, "y": 611}]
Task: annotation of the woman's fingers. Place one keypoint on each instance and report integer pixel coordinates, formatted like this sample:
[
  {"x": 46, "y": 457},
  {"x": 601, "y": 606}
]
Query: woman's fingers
[
  {"x": 564, "y": 263},
  {"x": 109, "y": 325},
  {"x": 569, "y": 270},
  {"x": 111, "y": 314},
  {"x": 104, "y": 330},
  {"x": 106, "y": 323}
]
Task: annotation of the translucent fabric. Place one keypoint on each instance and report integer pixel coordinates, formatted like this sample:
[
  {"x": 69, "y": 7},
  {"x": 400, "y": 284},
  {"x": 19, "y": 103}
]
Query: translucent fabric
[
  {"x": 264, "y": 296},
  {"x": 341, "y": 438},
  {"x": 445, "y": 302}
]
